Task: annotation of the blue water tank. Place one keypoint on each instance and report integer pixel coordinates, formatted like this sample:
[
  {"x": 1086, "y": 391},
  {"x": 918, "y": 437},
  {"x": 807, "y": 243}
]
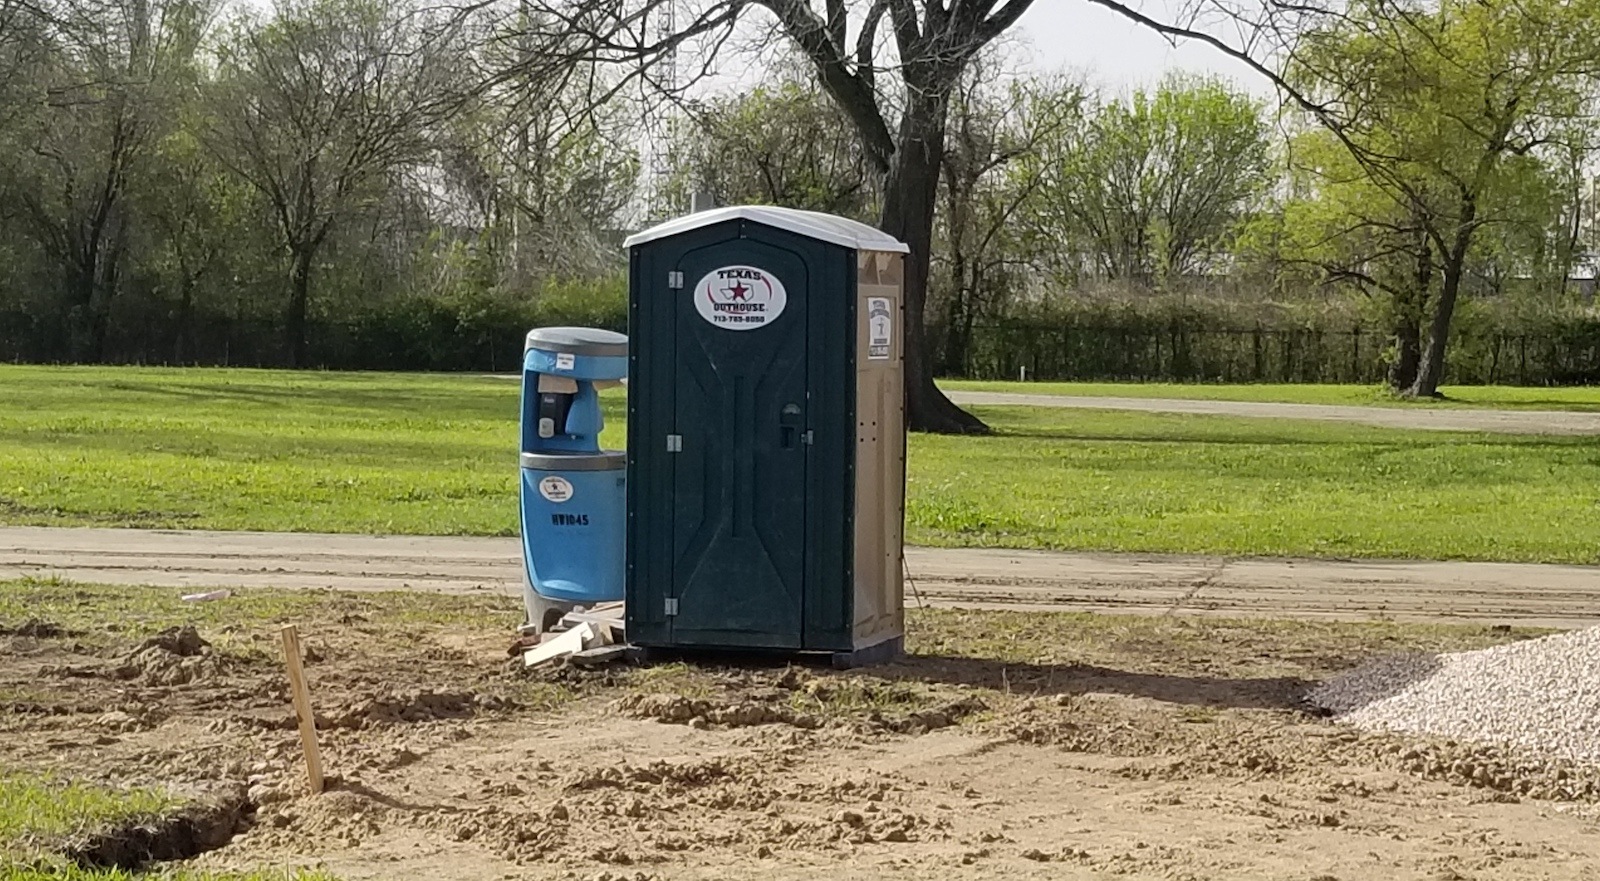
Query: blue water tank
[
  {"x": 574, "y": 510},
  {"x": 574, "y": 495}
]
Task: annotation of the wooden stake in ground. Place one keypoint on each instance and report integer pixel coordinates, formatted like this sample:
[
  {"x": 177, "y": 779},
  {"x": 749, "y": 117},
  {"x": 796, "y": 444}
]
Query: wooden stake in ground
[{"x": 302, "y": 706}]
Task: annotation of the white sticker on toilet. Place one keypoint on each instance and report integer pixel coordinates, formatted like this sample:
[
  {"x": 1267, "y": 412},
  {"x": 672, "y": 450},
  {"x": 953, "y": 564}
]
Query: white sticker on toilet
[
  {"x": 740, "y": 297},
  {"x": 555, "y": 489},
  {"x": 565, "y": 361},
  {"x": 880, "y": 328}
]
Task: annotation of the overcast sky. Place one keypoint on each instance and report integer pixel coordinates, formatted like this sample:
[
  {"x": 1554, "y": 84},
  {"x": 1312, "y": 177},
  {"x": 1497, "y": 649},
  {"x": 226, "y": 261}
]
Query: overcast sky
[
  {"x": 1113, "y": 51},
  {"x": 1100, "y": 46}
]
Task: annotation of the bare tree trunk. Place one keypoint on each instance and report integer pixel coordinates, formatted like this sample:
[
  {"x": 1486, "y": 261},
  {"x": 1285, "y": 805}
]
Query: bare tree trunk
[
  {"x": 910, "y": 194},
  {"x": 91, "y": 282},
  {"x": 183, "y": 345},
  {"x": 1408, "y": 311},
  {"x": 953, "y": 357},
  {"x": 1431, "y": 371},
  {"x": 1408, "y": 353},
  {"x": 969, "y": 317},
  {"x": 80, "y": 315},
  {"x": 100, "y": 320},
  {"x": 299, "y": 296},
  {"x": 107, "y": 281}
]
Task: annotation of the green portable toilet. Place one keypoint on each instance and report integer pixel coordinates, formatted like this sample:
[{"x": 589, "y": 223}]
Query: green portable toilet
[{"x": 766, "y": 439}]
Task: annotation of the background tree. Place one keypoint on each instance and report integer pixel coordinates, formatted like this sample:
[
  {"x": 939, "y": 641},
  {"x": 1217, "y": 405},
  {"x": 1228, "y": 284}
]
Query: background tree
[
  {"x": 982, "y": 259},
  {"x": 23, "y": 33},
  {"x": 337, "y": 183},
  {"x": 783, "y": 142},
  {"x": 1441, "y": 108},
  {"x": 1153, "y": 187},
  {"x": 901, "y": 127},
  {"x": 1345, "y": 228},
  {"x": 933, "y": 45},
  {"x": 196, "y": 214},
  {"x": 317, "y": 109},
  {"x": 544, "y": 163},
  {"x": 100, "y": 89}
]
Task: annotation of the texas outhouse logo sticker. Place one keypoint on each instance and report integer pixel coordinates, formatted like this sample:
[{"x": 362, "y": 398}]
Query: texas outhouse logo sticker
[
  {"x": 555, "y": 489},
  {"x": 739, "y": 297}
]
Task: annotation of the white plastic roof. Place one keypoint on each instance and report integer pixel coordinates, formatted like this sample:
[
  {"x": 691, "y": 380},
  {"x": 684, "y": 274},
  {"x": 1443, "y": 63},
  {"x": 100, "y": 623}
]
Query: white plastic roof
[{"x": 813, "y": 224}]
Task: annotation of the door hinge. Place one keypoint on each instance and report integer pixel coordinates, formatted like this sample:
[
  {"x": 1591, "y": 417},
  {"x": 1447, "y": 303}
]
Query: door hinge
[
  {"x": 674, "y": 443},
  {"x": 675, "y": 280},
  {"x": 672, "y": 607},
  {"x": 808, "y": 438}
]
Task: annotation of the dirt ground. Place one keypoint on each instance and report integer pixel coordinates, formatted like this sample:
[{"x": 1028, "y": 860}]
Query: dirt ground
[
  {"x": 1006, "y": 745},
  {"x": 1353, "y": 590}
]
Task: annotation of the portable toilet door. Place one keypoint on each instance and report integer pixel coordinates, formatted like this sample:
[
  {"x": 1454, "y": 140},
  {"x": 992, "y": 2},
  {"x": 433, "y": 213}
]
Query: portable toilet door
[{"x": 742, "y": 429}]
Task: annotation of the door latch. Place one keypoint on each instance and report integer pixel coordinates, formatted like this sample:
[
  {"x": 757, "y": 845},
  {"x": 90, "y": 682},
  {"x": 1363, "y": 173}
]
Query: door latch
[
  {"x": 672, "y": 607},
  {"x": 675, "y": 280},
  {"x": 674, "y": 443},
  {"x": 789, "y": 419}
]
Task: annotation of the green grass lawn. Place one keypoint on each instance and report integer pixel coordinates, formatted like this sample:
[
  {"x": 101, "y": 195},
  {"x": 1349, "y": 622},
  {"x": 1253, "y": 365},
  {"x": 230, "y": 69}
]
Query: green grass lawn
[
  {"x": 36, "y": 809},
  {"x": 245, "y": 449},
  {"x": 1499, "y": 397},
  {"x": 1167, "y": 482},
  {"x": 41, "y": 814},
  {"x": 384, "y": 453}
]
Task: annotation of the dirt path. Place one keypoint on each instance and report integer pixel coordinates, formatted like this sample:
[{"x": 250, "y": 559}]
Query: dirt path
[
  {"x": 1496, "y": 421},
  {"x": 1509, "y": 593}
]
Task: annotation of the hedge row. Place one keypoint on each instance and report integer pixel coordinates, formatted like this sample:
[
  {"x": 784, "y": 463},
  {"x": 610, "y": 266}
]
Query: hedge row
[
  {"x": 1568, "y": 355},
  {"x": 408, "y": 333},
  {"x": 1150, "y": 341},
  {"x": 1197, "y": 344}
]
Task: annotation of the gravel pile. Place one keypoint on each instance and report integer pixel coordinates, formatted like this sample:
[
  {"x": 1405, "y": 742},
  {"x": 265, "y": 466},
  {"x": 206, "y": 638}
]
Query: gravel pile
[{"x": 1541, "y": 695}]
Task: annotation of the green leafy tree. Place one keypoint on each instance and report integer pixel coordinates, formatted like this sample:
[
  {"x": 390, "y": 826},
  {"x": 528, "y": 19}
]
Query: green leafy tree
[
  {"x": 318, "y": 109},
  {"x": 890, "y": 67},
  {"x": 96, "y": 89},
  {"x": 1444, "y": 113},
  {"x": 1153, "y": 187},
  {"x": 198, "y": 227}
]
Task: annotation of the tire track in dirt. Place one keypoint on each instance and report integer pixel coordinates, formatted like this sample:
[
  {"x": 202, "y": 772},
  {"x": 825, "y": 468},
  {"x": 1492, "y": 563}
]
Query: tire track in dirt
[{"x": 1501, "y": 593}]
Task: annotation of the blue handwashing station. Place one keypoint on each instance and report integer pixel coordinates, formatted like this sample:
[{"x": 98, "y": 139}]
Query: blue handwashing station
[{"x": 574, "y": 494}]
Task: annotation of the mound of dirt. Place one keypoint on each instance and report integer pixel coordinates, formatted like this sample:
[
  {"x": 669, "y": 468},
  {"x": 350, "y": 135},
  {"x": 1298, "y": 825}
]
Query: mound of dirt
[
  {"x": 35, "y": 628},
  {"x": 1505, "y": 771},
  {"x": 202, "y": 825},
  {"x": 630, "y": 814},
  {"x": 338, "y": 816},
  {"x": 860, "y": 827},
  {"x": 923, "y": 721},
  {"x": 522, "y": 837},
  {"x": 773, "y": 706},
  {"x": 656, "y": 774},
  {"x": 122, "y": 722},
  {"x": 175, "y": 656},
  {"x": 185, "y": 642},
  {"x": 1049, "y": 722},
  {"x": 392, "y": 708},
  {"x": 678, "y": 710}
]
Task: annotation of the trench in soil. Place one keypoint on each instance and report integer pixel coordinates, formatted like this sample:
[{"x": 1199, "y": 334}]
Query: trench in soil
[{"x": 198, "y": 827}]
